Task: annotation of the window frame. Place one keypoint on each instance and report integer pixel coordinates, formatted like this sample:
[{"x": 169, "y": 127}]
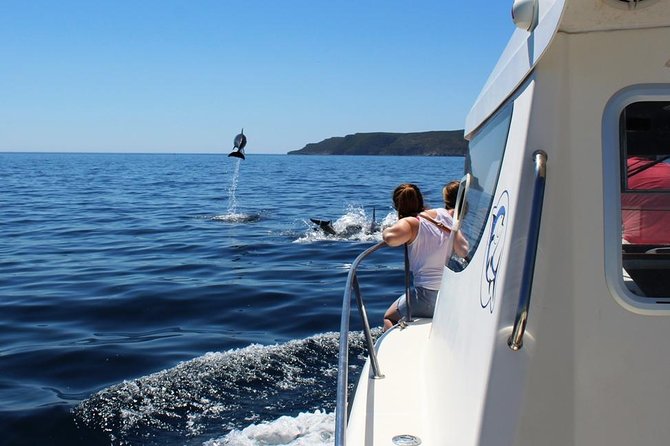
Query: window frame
[
  {"x": 504, "y": 113},
  {"x": 612, "y": 192}
]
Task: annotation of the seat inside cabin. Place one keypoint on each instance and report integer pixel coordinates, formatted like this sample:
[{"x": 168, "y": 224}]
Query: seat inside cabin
[{"x": 645, "y": 198}]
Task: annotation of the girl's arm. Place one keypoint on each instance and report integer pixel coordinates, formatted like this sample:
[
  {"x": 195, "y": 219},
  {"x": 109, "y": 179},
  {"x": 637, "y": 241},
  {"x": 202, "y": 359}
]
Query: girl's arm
[
  {"x": 399, "y": 233},
  {"x": 461, "y": 245}
]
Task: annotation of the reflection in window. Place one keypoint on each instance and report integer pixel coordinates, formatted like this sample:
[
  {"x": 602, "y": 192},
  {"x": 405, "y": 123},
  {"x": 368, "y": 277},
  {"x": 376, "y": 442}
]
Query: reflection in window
[
  {"x": 645, "y": 197},
  {"x": 483, "y": 161}
]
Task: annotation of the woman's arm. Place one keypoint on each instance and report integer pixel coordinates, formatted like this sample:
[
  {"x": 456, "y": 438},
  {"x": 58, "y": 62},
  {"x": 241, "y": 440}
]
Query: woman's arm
[
  {"x": 401, "y": 232},
  {"x": 461, "y": 245}
]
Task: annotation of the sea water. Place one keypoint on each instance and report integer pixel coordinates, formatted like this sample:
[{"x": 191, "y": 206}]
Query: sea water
[{"x": 173, "y": 299}]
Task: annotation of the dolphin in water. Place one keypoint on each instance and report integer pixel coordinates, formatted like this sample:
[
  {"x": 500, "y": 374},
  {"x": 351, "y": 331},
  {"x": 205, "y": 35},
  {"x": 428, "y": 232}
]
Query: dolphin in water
[
  {"x": 238, "y": 145},
  {"x": 327, "y": 227}
]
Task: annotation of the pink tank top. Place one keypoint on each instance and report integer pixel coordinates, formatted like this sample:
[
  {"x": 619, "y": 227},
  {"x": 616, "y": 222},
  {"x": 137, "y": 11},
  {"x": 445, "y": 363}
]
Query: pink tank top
[{"x": 428, "y": 251}]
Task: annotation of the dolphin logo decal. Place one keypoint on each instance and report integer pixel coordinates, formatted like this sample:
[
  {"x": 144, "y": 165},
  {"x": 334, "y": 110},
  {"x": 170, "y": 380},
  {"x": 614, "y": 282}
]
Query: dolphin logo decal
[
  {"x": 238, "y": 145},
  {"x": 494, "y": 252}
]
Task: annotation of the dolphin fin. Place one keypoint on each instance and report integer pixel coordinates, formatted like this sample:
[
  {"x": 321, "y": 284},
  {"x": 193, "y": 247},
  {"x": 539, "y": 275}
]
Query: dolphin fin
[{"x": 373, "y": 224}]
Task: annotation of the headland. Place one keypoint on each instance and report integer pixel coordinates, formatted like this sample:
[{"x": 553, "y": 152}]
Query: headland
[{"x": 435, "y": 143}]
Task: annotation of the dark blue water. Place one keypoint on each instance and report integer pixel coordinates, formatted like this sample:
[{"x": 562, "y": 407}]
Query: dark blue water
[{"x": 186, "y": 299}]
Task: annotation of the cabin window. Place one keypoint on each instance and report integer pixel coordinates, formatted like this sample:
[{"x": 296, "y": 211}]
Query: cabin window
[
  {"x": 483, "y": 162},
  {"x": 644, "y": 135}
]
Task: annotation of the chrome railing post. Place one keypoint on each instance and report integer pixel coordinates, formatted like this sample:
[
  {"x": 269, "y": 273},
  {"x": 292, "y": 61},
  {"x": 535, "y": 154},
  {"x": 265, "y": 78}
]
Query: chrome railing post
[
  {"x": 343, "y": 359},
  {"x": 515, "y": 341},
  {"x": 343, "y": 370},
  {"x": 376, "y": 373}
]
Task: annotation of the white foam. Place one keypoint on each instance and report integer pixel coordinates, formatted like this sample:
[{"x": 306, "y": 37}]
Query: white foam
[
  {"x": 389, "y": 220},
  {"x": 236, "y": 217},
  {"x": 354, "y": 225},
  {"x": 305, "y": 429}
]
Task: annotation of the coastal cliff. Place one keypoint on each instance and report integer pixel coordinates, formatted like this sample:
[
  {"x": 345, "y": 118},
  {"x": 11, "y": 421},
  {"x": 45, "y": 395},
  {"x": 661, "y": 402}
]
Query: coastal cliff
[{"x": 437, "y": 143}]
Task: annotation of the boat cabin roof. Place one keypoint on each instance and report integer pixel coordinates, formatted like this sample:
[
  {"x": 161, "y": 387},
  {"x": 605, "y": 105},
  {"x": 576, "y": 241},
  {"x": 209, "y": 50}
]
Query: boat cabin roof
[{"x": 526, "y": 48}]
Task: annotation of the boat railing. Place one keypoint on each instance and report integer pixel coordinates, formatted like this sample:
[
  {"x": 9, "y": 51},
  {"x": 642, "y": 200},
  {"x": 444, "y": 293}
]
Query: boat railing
[
  {"x": 352, "y": 287},
  {"x": 515, "y": 341}
]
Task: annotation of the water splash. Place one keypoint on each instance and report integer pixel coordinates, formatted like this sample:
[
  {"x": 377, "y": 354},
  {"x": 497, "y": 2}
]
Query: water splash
[
  {"x": 237, "y": 218},
  {"x": 232, "y": 198},
  {"x": 232, "y": 215},
  {"x": 212, "y": 395},
  {"x": 353, "y": 225}
]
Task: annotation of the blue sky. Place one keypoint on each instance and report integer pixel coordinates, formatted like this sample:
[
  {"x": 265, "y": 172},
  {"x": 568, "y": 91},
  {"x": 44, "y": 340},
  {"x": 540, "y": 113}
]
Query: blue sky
[{"x": 186, "y": 76}]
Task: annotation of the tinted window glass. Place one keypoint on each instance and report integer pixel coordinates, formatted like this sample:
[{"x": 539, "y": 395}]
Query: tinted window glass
[
  {"x": 644, "y": 132},
  {"x": 483, "y": 161}
]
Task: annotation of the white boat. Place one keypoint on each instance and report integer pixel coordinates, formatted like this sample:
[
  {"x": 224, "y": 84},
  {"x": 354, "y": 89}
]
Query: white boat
[{"x": 555, "y": 329}]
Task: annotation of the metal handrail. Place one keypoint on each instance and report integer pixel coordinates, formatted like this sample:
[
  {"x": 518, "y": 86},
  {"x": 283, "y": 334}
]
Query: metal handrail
[
  {"x": 515, "y": 341},
  {"x": 343, "y": 363}
]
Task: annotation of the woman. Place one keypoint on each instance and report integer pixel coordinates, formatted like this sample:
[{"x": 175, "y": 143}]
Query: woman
[{"x": 426, "y": 233}]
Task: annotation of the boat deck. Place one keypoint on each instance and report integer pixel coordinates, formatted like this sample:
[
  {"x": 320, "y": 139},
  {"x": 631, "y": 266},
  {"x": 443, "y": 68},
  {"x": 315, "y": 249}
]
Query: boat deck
[{"x": 388, "y": 412}]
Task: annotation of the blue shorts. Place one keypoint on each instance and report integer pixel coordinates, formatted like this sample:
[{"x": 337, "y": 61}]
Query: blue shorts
[{"x": 422, "y": 302}]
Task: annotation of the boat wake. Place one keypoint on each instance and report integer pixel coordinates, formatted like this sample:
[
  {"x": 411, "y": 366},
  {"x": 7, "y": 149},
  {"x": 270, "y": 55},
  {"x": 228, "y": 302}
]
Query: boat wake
[
  {"x": 307, "y": 429},
  {"x": 213, "y": 399}
]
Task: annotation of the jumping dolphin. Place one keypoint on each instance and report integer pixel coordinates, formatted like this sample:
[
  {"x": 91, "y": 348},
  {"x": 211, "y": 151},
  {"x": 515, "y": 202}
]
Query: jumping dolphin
[{"x": 238, "y": 146}]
